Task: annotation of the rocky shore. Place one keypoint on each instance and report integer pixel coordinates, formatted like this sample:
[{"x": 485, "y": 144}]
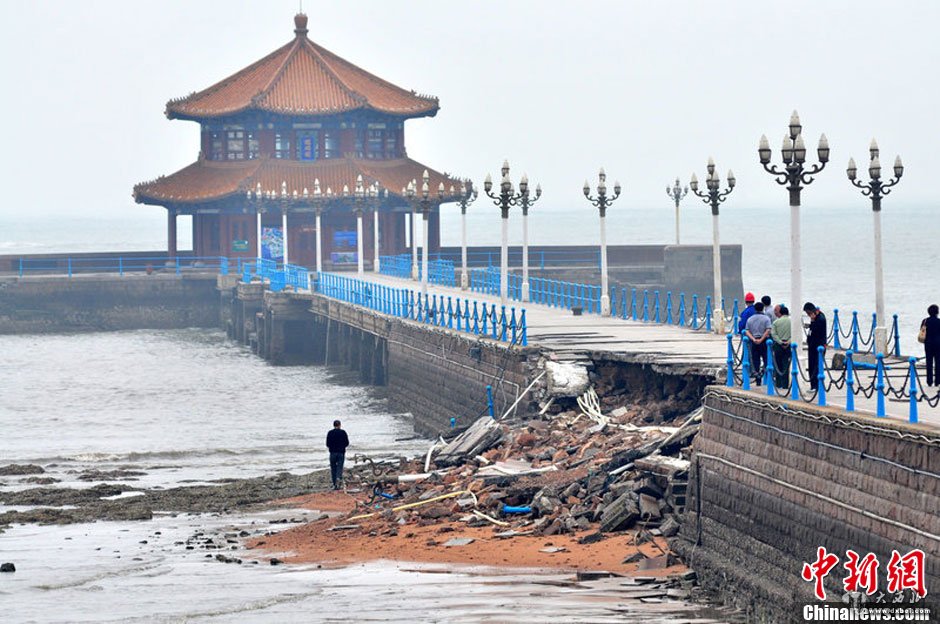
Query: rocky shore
[{"x": 61, "y": 505}]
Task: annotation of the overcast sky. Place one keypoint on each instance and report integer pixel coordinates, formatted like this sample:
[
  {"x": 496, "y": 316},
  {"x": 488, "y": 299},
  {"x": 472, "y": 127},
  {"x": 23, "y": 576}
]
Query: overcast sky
[{"x": 647, "y": 89}]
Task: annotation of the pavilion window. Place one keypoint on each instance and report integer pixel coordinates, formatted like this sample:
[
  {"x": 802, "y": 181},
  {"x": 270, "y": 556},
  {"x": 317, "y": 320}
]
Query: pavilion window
[
  {"x": 330, "y": 145},
  {"x": 254, "y": 146},
  {"x": 308, "y": 145},
  {"x": 282, "y": 145},
  {"x": 391, "y": 144},
  {"x": 235, "y": 144},
  {"x": 359, "y": 145},
  {"x": 218, "y": 152},
  {"x": 374, "y": 144}
]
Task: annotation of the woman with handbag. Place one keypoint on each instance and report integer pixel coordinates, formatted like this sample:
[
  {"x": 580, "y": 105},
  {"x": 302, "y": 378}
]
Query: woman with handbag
[{"x": 930, "y": 336}]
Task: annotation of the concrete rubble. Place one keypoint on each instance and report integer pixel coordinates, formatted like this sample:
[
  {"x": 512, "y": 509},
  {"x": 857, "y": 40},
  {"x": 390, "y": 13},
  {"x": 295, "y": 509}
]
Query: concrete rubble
[{"x": 577, "y": 472}]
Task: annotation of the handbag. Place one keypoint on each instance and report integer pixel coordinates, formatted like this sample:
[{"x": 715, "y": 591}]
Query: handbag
[{"x": 922, "y": 334}]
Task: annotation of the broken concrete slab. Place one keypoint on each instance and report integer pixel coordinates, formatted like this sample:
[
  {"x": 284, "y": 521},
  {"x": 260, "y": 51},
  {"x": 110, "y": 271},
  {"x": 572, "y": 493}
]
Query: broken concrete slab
[
  {"x": 620, "y": 514},
  {"x": 566, "y": 379}
]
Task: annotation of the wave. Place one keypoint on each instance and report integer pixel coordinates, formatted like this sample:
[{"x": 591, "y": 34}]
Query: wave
[{"x": 137, "y": 456}]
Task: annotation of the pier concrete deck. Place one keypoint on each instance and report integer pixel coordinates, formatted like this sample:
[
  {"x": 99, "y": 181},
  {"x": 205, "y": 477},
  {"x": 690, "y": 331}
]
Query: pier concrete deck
[{"x": 576, "y": 337}]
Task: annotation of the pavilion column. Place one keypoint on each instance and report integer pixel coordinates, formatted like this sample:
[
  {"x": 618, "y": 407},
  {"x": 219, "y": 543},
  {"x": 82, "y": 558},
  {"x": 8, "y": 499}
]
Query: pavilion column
[
  {"x": 171, "y": 234},
  {"x": 284, "y": 230},
  {"x": 319, "y": 244},
  {"x": 375, "y": 241},
  {"x": 258, "y": 234}
]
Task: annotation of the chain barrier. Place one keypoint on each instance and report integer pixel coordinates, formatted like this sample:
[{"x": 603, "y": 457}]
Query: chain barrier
[{"x": 881, "y": 384}]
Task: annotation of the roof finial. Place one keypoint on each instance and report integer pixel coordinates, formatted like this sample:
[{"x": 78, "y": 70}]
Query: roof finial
[{"x": 300, "y": 24}]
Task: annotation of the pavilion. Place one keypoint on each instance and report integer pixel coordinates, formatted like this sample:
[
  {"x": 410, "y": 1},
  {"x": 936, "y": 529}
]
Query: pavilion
[{"x": 284, "y": 143}]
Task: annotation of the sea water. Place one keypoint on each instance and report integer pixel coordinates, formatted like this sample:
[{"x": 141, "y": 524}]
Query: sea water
[
  {"x": 837, "y": 245},
  {"x": 187, "y": 406}
]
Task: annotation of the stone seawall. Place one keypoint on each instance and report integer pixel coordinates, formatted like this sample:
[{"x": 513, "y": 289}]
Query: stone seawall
[
  {"x": 772, "y": 481},
  {"x": 438, "y": 375},
  {"x": 434, "y": 374},
  {"x": 107, "y": 303}
]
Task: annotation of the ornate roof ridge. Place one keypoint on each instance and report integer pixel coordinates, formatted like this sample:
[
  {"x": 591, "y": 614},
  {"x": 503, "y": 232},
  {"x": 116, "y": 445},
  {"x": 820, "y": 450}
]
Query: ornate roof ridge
[
  {"x": 228, "y": 80},
  {"x": 335, "y": 85},
  {"x": 321, "y": 52}
]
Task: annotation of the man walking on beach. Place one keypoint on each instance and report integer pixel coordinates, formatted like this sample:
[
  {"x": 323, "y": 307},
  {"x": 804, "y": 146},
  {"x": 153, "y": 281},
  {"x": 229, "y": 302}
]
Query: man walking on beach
[
  {"x": 815, "y": 338},
  {"x": 337, "y": 441}
]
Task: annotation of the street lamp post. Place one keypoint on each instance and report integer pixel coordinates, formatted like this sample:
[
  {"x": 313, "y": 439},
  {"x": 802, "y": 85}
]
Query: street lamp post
[
  {"x": 505, "y": 199},
  {"x": 677, "y": 193},
  {"x": 375, "y": 194},
  {"x": 713, "y": 196},
  {"x": 284, "y": 204},
  {"x": 319, "y": 201},
  {"x": 467, "y": 196},
  {"x": 795, "y": 176},
  {"x": 423, "y": 202},
  {"x": 363, "y": 199},
  {"x": 602, "y": 202},
  {"x": 525, "y": 202},
  {"x": 257, "y": 200},
  {"x": 876, "y": 189},
  {"x": 408, "y": 192}
]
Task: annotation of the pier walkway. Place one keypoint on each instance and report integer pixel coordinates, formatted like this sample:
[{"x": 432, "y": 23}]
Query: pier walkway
[{"x": 577, "y": 337}]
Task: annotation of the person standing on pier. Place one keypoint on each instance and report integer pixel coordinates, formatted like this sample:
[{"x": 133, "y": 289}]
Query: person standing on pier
[
  {"x": 758, "y": 330},
  {"x": 748, "y": 311},
  {"x": 768, "y": 309},
  {"x": 337, "y": 441},
  {"x": 931, "y": 328},
  {"x": 780, "y": 335},
  {"x": 815, "y": 338}
]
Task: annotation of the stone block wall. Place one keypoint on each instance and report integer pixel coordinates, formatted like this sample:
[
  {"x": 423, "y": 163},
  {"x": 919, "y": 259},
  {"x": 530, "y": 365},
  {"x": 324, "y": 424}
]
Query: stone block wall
[
  {"x": 108, "y": 303},
  {"x": 688, "y": 269},
  {"x": 771, "y": 481},
  {"x": 438, "y": 375}
]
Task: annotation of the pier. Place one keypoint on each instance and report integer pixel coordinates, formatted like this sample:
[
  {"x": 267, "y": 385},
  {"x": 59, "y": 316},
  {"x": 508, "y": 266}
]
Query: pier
[{"x": 769, "y": 476}]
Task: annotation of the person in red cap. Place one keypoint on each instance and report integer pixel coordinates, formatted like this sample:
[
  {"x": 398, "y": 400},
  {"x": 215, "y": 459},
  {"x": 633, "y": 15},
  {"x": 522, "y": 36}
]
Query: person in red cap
[{"x": 748, "y": 312}]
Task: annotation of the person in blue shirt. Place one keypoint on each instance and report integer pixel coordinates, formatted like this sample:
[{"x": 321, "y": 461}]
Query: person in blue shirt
[{"x": 748, "y": 311}]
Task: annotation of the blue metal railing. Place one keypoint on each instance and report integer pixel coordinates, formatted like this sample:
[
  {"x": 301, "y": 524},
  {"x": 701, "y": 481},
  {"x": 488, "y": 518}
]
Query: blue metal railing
[
  {"x": 861, "y": 341},
  {"x": 442, "y": 272},
  {"x": 537, "y": 259},
  {"x": 462, "y": 314},
  {"x": 122, "y": 265},
  {"x": 644, "y": 307},
  {"x": 396, "y": 266},
  {"x": 899, "y": 381}
]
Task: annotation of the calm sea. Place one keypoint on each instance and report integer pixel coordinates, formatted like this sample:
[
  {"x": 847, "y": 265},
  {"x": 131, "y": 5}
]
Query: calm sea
[
  {"x": 188, "y": 405},
  {"x": 838, "y": 266}
]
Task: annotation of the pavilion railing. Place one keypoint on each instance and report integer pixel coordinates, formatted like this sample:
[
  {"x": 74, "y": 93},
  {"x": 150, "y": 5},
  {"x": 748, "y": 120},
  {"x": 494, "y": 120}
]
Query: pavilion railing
[{"x": 122, "y": 265}]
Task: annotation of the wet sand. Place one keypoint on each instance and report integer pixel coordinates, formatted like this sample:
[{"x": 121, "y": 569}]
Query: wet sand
[{"x": 371, "y": 540}]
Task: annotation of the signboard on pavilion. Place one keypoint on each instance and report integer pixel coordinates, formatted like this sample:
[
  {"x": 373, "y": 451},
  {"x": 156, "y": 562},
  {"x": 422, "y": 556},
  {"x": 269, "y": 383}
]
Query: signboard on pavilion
[
  {"x": 345, "y": 249},
  {"x": 239, "y": 245},
  {"x": 272, "y": 244}
]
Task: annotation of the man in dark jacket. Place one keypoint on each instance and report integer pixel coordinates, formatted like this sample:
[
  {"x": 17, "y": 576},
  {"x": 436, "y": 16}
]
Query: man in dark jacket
[
  {"x": 337, "y": 441},
  {"x": 815, "y": 338}
]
